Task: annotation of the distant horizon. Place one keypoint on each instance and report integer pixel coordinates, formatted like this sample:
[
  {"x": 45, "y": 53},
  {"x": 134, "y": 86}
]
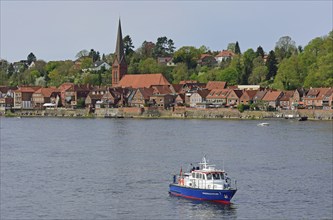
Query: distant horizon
[{"x": 214, "y": 24}]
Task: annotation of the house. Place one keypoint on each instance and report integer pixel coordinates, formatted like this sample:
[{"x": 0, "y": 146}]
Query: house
[
  {"x": 95, "y": 95},
  {"x": 286, "y": 100},
  {"x": 216, "y": 85},
  {"x": 45, "y": 96},
  {"x": 328, "y": 100},
  {"x": 218, "y": 97},
  {"x": 233, "y": 97},
  {"x": 247, "y": 97},
  {"x": 314, "y": 99},
  {"x": 180, "y": 99},
  {"x": 23, "y": 97},
  {"x": 206, "y": 60},
  {"x": 297, "y": 99},
  {"x": 98, "y": 65},
  {"x": 272, "y": 99},
  {"x": 224, "y": 55},
  {"x": 6, "y": 97},
  {"x": 141, "y": 97},
  {"x": 142, "y": 80},
  {"x": 70, "y": 94},
  {"x": 113, "y": 97},
  {"x": 198, "y": 96},
  {"x": 165, "y": 61}
]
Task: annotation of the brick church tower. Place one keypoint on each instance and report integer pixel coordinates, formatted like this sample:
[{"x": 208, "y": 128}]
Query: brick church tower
[{"x": 119, "y": 65}]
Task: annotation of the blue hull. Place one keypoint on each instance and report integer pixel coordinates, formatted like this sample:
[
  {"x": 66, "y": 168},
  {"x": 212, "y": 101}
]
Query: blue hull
[{"x": 220, "y": 196}]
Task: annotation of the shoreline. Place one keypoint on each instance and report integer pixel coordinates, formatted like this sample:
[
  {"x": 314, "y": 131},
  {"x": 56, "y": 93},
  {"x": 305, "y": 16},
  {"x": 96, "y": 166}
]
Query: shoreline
[{"x": 185, "y": 113}]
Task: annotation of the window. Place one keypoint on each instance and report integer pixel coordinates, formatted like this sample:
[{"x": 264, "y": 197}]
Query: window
[
  {"x": 209, "y": 176},
  {"x": 216, "y": 176}
]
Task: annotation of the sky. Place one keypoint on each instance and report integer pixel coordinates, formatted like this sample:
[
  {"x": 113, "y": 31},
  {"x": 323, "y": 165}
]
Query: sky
[{"x": 58, "y": 30}]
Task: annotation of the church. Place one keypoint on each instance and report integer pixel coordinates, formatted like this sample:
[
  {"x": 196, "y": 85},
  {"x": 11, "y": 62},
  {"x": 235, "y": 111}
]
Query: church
[{"x": 120, "y": 78}]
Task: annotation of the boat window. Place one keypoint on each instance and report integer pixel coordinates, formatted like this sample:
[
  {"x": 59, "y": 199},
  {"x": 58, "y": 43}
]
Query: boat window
[
  {"x": 216, "y": 176},
  {"x": 203, "y": 176},
  {"x": 222, "y": 176},
  {"x": 197, "y": 175},
  {"x": 200, "y": 176},
  {"x": 193, "y": 175},
  {"x": 209, "y": 176}
]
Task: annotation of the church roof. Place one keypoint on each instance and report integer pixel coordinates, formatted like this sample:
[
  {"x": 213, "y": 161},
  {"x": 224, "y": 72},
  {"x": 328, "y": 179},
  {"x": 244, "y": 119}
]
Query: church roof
[{"x": 143, "y": 80}]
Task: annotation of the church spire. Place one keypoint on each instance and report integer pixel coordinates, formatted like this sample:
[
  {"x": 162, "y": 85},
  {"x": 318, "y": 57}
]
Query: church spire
[
  {"x": 119, "y": 66},
  {"x": 120, "y": 45}
]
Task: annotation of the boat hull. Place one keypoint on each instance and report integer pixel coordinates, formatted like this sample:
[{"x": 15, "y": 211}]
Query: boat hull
[{"x": 219, "y": 196}]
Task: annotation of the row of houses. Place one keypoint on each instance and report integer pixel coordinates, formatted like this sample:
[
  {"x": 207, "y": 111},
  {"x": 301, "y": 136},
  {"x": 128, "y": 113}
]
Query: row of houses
[{"x": 154, "y": 90}]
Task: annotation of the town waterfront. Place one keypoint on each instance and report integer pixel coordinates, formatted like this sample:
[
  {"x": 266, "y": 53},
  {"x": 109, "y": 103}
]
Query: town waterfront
[{"x": 71, "y": 168}]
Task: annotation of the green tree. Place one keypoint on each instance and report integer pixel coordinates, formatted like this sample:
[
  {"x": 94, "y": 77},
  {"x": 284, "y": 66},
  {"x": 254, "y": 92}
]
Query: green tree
[
  {"x": 229, "y": 75},
  {"x": 284, "y": 48},
  {"x": 128, "y": 45},
  {"x": 188, "y": 55},
  {"x": 260, "y": 52},
  {"x": 232, "y": 47},
  {"x": 31, "y": 58},
  {"x": 248, "y": 58},
  {"x": 271, "y": 64},
  {"x": 237, "y": 48},
  {"x": 163, "y": 47},
  {"x": 180, "y": 72},
  {"x": 82, "y": 53},
  {"x": 94, "y": 55},
  {"x": 289, "y": 75}
]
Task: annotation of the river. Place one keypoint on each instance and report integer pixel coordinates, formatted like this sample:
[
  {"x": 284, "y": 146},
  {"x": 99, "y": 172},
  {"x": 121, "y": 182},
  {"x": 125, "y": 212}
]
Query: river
[{"x": 64, "y": 168}]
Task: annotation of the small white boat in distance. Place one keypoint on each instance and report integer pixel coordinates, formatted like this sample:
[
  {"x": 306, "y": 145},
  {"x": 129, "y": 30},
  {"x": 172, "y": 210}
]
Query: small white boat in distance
[{"x": 263, "y": 124}]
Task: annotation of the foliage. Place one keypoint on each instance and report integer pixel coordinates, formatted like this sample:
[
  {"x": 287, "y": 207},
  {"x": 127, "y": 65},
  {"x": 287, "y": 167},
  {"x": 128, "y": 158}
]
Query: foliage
[
  {"x": 163, "y": 47},
  {"x": 271, "y": 64},
  {"x": 31, "y": 58},
  {"x": 229, "y": 75},
  {"x": 285, "y": 47},
  {"x": 188, "y": 55},
  {"x": 128, "y": 45},
  {"x": 82, "y": 53},
  {"x": 180, "y": 72},
  {"x": 241, "y": 107},
  {"x": 80, "y": 103},
  {"x": 237, "y": 48}
]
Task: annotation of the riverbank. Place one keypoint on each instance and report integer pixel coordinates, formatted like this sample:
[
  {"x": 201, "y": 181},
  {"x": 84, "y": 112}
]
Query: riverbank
[{"x": 182, "y": 112}]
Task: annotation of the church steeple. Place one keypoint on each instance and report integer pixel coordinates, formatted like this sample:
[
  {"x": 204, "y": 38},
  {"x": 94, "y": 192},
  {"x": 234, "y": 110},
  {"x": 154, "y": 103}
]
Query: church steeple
[
  {"x": 119, "y": 66},
  {"x": 120, "y": 45}
]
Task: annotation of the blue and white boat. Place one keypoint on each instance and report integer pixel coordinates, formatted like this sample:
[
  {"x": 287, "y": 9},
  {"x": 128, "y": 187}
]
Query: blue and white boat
[{"x": 204, "y": 183}]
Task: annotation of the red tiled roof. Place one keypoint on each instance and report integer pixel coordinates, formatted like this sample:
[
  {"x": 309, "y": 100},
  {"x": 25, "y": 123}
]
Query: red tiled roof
[
  {"x": 319, "y": 93},
  {"x": 47, "y": 92},
  {"x": 250, "y": 93},
  {"x": 162, "y": 89},
  {"x": 216, "y": 85},
  {"x": 143, "y": 80},
  {"x": 287, "y": 95},
  {"x": 218, "y": 94},
  {"x": 30, "y": 89},
  {"x": 271, "y": 95},
  {"x": 225, "y": 53},
  {"x": 146, "y": 92}
]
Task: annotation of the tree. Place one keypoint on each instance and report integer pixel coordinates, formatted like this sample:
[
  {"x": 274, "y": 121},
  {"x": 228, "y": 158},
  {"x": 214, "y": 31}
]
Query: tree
[
  {"x": 289, "y": 75},
  {"x": 260, "y": 52},
  {"x": 248, "y": 58},
  {"x": 128, "y": 45},
  {"x": 271, "y": 64},
  {"x": 231, "y": 47},
  {"x": 94, "y": 55},
  {"x": 285, "y": 47},
  {"x": 180, "y": 72},
  {"x": 237, "y": 49},
  {"x": 31, "y": 58},
  {"x": 10, "y": 70},
  {"x": 188, "y": 55},
  {"x": 82, "y": 53},
  {"x": 228, "y": 75},
  {"x": 163, "y": 47}
]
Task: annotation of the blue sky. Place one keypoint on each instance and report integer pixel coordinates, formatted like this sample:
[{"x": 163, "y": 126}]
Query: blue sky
[{"x": 57, "y": 30}]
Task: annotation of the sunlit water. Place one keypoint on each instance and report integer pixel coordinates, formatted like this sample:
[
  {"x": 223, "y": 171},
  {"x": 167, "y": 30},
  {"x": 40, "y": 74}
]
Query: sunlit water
[{"x": 120, "y": 168}]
